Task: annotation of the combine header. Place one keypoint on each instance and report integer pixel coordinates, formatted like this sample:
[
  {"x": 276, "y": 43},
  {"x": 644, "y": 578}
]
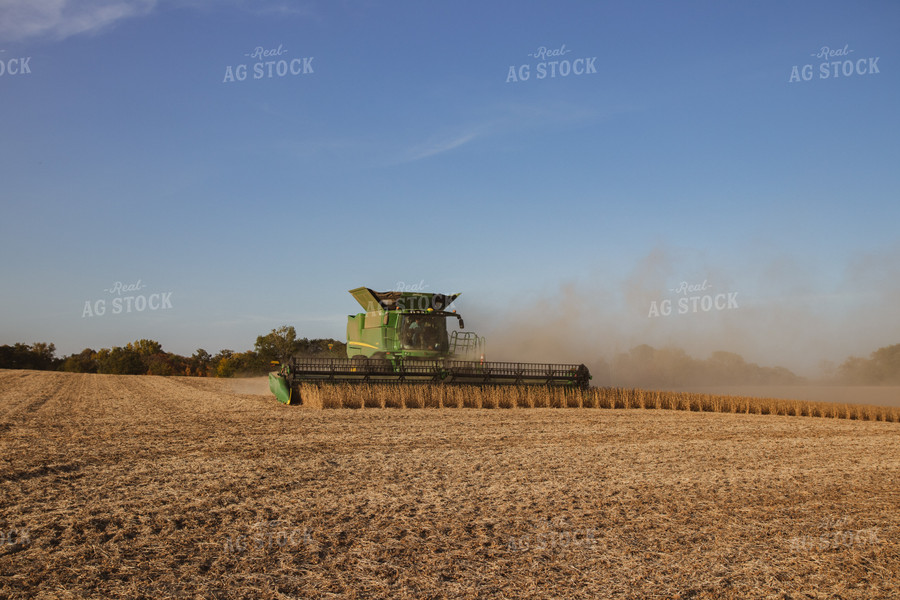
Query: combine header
[{"x": 403, "y": 337}]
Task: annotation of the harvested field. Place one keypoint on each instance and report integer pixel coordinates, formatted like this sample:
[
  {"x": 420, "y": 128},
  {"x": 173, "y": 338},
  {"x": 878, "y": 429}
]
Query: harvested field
[{"x": 150, "y": 487}]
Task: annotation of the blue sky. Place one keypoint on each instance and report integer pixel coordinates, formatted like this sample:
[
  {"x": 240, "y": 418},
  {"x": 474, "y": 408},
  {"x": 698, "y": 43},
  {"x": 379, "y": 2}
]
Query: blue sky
[{"x": 406, "y": 155}]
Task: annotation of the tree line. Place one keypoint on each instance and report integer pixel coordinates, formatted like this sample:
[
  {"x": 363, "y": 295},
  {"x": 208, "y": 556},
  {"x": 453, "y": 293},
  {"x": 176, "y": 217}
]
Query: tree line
[
  {"x": 646, "y": 366},
  {"x": 642, "y": 364},
  {"x": 147, "y": 357},
  {"x": 882, "y": 367}
]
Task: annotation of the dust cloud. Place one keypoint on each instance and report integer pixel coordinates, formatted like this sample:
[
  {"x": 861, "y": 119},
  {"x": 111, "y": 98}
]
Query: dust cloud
[
  {"x": 760, "y": 323},
  {"x": 258, "y": 386}
]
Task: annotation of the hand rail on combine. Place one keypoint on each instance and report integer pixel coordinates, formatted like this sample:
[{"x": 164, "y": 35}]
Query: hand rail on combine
[{"x": 466, "y": 343}]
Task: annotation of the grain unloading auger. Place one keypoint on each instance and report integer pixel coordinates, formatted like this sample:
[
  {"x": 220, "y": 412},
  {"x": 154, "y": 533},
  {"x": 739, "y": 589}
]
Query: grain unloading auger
[{"x": 403, "y": 337}]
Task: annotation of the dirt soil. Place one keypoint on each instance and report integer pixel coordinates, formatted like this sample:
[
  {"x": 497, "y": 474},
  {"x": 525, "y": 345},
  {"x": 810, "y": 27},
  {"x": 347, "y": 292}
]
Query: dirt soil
[{"x": 150, "y": 487}]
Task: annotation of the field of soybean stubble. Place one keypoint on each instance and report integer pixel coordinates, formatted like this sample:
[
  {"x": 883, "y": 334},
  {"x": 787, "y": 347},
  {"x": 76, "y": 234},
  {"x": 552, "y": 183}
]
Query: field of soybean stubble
[{"x": 150, "y": 487}]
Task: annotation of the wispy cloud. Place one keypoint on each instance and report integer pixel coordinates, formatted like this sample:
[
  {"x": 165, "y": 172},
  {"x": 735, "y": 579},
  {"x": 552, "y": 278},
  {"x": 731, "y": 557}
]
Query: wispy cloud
[
  {"x": 59, "y": 19},
  {"x": 278, "y": 8},
  {"x": 435, "y": 145},
  {"x": 508, "y": 118},
  {"x": 519, "y": 116},
  {"x": 281, "y": 8},
  {"x": 371, "y": 152}
]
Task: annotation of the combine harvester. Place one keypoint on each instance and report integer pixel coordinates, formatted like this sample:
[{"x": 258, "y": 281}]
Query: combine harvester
[{"x": 403, "y": 337}]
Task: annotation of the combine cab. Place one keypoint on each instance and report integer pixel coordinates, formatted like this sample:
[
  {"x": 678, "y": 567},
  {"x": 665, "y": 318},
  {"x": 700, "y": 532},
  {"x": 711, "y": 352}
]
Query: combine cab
[{"x": 412, "y": 337}]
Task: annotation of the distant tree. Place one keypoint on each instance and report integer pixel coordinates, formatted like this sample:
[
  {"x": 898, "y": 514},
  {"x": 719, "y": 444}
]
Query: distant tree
[
  {"x": 320, "y": 347},
  {"x": 240, "y": 363},
  {"x": 17, "y": 356},
  {"x": 225, "y": 353},
  {"x": 781, "y": 375},
  {"x": 200, "y": 362},
  {"x": 882, "y": 367},
  {"x": 83, "y": 362},
  {"x": 647, "y": 366},
  {"x": 7, "y": 357},
  {"x": 145, "y": 347},
  {"x": 162, "y": 364},
  {"x": 886, "y": 364},
  {"x": 44, "y": 356},
  {"x": 336, "y": 349},
  {"x": 726, "y": 367},
  {"x": 39, "y": 356},
  {"x": 222, "y": 363},
  {"x": 278, "y": 345},
  {"x": 120, "y": 361},
  {"x": 248, "y": 363},
  {"x": 225, "y": 367}
]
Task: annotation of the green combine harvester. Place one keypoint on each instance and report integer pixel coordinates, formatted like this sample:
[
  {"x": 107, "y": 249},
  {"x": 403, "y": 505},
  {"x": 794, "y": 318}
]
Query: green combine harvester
[{"x": 408, "y": 337}]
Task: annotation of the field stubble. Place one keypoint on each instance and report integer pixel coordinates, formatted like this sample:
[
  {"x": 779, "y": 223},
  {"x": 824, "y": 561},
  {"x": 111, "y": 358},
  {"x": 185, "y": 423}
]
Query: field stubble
[{"x": 149, "y": 487}]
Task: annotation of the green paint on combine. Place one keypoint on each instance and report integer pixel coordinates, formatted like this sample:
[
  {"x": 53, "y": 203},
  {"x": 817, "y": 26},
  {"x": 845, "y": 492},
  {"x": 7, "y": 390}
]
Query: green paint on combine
[
  {"x": 408, "y": 325},
  {"x": 414, "y": 337},
  {"x": 278, "y": 385}
]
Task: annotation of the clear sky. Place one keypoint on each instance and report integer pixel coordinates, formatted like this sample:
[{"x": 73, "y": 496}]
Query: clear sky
[{"x": 398, "y": 147}]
